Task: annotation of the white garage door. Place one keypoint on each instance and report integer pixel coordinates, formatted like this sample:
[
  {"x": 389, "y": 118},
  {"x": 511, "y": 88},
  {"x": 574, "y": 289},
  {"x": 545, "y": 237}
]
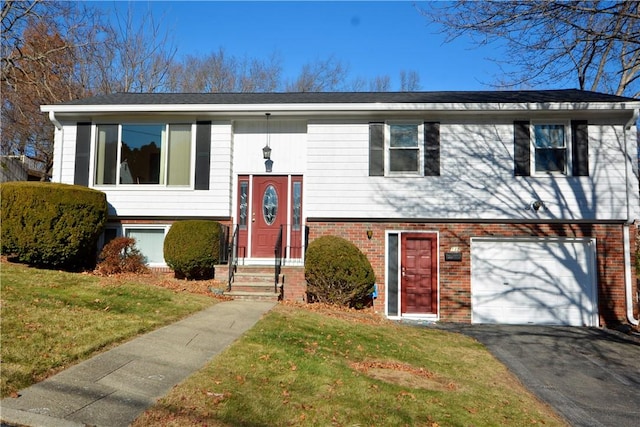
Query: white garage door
[{"x": 533, "y": 281}]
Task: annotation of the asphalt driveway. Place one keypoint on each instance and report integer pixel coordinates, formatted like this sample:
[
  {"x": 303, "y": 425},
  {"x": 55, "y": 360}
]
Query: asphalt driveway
[{"x": 590, "y": 376}]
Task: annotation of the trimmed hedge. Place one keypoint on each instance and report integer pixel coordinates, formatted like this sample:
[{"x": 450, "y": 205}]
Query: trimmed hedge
[
  {"x": 337, "y": 272},
  {"x": 191, "y": 248},
  {"x": 52, "y": 225}
]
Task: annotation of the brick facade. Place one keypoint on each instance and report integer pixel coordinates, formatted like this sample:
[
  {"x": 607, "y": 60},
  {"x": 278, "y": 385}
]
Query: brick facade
[{"x": 455, "y": 277}]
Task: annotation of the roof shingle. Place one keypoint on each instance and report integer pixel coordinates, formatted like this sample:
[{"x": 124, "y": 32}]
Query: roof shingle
[{"x": 531, "y": 96}]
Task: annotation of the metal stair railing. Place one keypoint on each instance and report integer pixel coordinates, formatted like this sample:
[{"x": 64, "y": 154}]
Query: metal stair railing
[{"x": 233, "y": 256}]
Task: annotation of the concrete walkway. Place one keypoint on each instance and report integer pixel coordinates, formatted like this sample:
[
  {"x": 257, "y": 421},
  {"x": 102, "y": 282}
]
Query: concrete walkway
[{"x": 115, "y": 387}]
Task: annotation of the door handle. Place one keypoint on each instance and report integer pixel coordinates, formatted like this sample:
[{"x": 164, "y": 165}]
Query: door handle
[
  {"x": 403, "y": 271},
  {"x": 253, "y": 217}
]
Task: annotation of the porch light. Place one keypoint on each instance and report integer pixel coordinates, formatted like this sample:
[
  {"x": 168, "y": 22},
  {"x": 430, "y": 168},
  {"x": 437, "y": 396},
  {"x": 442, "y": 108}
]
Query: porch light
[
  {"x": 369, "y": 234},
  {"x": 266, "y": 151}
]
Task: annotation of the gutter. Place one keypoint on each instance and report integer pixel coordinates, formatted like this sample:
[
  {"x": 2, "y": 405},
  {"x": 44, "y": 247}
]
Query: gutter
[
  {"x": 59, "y": 127},
  {"x": 626, "y": 232},
  {"x": 627, "y": 275}
]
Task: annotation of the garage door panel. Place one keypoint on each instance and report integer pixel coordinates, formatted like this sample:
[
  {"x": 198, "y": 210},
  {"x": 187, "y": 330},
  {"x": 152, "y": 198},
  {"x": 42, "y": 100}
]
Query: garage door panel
[
  {"x": 534, "y": 298},
  {"x": 531, "y": 315},
  {"x": 537, "y": 281}
]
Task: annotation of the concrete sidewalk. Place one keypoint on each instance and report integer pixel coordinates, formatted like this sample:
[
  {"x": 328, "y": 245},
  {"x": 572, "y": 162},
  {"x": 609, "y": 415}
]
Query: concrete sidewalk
[{"x": 115, "y": 387}]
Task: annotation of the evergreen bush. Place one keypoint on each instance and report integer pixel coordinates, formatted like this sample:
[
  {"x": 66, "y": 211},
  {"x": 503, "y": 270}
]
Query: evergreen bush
[
  {"x": 191, "y": 248},
  {"x": 52, "y": 225},
  {"x": 120, "y": 255},
  {"x": 337, "y": 272}
]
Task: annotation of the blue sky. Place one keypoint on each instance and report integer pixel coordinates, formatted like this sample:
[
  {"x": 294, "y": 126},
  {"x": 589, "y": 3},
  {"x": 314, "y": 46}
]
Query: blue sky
[{"x": 371, "y": 38}]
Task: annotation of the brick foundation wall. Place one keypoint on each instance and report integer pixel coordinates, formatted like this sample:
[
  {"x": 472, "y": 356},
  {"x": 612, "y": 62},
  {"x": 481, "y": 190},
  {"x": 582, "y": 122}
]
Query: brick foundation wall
[
  {"x": 455, "y": 277},
  {"x": 295, "y": 287}
]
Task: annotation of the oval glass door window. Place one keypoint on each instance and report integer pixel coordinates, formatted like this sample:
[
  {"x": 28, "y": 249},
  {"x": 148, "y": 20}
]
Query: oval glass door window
[{"x": 270, "y": 204}]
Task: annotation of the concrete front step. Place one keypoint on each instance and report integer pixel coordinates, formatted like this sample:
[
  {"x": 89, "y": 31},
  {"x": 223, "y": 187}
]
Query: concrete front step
[
  {"x": 261, "y": 296},
  {"x": 255, "y": 283},
  {"x": 249, "y": 276},
  {"x": 253, "y": 286}
]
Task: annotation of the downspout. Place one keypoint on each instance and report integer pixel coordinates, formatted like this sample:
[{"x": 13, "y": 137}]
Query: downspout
[
  {"x": 58, "y": 125},
  {"x": 627, "y": 237}
]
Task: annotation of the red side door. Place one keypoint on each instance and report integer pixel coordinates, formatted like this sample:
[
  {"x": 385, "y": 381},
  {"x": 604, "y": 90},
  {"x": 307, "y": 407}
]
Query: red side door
[
  {"x": 268, "y": 214},
  {"x": 419, "y": 274}
]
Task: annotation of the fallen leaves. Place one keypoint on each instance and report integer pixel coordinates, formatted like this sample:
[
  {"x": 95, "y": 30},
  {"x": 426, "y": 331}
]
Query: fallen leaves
[
  {"x": 404, "y": 375},
  {"x": 394, "y": 366}
]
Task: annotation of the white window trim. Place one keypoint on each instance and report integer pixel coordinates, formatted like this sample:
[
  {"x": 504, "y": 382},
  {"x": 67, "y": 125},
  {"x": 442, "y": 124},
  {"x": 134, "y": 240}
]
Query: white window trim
[
  {"x": 387, "y": 149},
  {"x": 130, "y": 187},
  {"x": 163, "y": 227},
  {"x": 426, "y": 316},
  {"x": 567, "y": 142}
]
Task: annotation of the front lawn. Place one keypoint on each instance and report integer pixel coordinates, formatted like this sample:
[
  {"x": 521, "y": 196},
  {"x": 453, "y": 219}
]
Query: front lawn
[
  {"x": 315, "y": 366},
  {"x": 52, "y": 319}
]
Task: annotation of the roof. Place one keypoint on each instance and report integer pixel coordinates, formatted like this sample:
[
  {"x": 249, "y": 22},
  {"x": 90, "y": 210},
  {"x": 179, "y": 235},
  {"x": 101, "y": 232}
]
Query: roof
[{"x": 442, "y": 97}]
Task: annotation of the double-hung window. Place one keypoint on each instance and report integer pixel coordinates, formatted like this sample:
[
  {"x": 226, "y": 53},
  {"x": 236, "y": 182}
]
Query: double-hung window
[
  {"x": 551, "y": 148},
  {"x": 550, "y": 145},
  {"x": 405, "y": 148},
  {"x": 143, "y": 154}
]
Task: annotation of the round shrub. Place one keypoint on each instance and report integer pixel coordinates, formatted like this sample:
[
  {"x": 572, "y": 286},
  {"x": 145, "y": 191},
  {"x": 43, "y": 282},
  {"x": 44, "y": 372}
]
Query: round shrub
[
  {"x": 191, "y": 248},
  {"x": 52, "y": 225},
  {"x": 337, "y": 272}
]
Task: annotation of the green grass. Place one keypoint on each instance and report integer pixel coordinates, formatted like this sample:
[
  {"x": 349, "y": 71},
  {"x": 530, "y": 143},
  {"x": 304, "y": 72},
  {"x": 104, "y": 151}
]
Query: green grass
[
  {"x": 309, "y": 368},
  {"x": 51, "y": 319}
]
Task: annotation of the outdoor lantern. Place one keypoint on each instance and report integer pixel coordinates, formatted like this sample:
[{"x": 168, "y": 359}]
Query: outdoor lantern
[
  {"x": 266, "y": 152},
  {"x": 369, "y": 234}
]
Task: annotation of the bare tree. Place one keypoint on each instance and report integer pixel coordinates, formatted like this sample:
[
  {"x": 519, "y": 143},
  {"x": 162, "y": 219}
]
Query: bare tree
[
  {"x": 380, "y": 84},
  {"x": 38, "y": 76},
  {"x": 409, "y": 81},
  {"x": 595, "y": 44},
  {"x": 320, "y": 76},
  {"x": 59, "y": 51},
  {"x": 40, "y": 65},
  {"x": 221, "y": 72},
  {"x": 136, "y": 55},
  {"x": 261, "y": 75}
]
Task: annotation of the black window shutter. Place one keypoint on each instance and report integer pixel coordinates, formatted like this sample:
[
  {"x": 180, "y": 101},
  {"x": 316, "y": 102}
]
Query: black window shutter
[
  {"x": 521, "y": 148},
  {"x": 376, "y": 149},
  {"x": 83, "y": 148},
  {"x": 431, "y": 149},
  {"x": 580, "y": 148},
  {"x": 203, "y": 155}
]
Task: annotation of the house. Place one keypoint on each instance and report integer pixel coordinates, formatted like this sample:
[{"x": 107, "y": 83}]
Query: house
[
  {"x": 484, "y": 207},
  {"x": 21, "y": 168}
]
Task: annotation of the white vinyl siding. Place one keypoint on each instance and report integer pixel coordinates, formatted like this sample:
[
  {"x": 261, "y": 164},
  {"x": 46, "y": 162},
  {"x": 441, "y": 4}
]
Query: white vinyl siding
[
  {"x": 476, "y": 173},
  {"x": 287, "y": 139},
  {"x": 476, "y": 180},
  {"x": 65, "y": 154}
]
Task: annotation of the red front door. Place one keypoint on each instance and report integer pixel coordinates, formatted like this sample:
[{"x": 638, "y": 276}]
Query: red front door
[
  {"x": 269, "y": 212},
  {"x": 418, "y": 274}
]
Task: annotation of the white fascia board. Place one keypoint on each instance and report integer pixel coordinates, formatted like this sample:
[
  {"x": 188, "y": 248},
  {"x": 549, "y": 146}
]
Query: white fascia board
[{"x": 305, "y": 108}]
